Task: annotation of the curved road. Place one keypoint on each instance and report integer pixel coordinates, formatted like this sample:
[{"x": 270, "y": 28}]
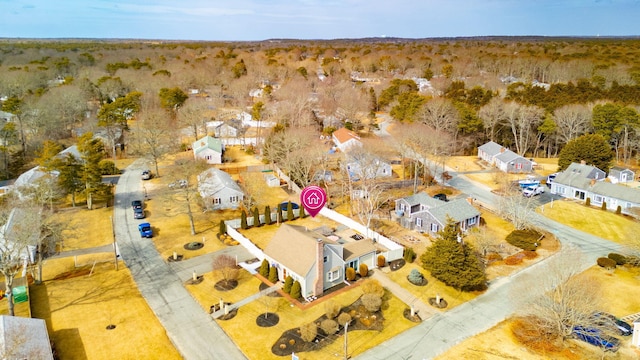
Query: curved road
[
  {"x": 192, "y": 331},
  {"x": 442, "y": 331}
]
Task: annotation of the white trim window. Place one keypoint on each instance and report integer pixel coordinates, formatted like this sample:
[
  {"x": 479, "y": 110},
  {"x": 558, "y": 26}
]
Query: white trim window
[
  {"x": 333, "y": 274},
  {"x": 472, "y": 221},
  {"x": 217, "y": 201},
  {"x": 418, "y": 222},
  {"x": 233, "y": 199},
  {"x": 434, "y": 228}
]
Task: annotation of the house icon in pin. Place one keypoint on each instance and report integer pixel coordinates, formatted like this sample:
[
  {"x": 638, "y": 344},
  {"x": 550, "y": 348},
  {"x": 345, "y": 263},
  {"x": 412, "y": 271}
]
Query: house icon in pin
[{"x": 313, "y": 199}]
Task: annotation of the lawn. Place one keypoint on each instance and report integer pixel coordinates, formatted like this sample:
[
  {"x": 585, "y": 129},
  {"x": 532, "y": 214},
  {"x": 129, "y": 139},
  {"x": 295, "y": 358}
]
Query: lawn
[
  {"x": 499, "y": 343},
  {"x": 258, "y": 345},
  {"x": 592, "y": 220},
  {"x": 261, "y": 236}
]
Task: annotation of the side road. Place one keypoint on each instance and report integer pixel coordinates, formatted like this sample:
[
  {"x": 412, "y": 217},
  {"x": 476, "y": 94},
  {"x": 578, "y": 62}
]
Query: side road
[{"x": 192, "y": 331}]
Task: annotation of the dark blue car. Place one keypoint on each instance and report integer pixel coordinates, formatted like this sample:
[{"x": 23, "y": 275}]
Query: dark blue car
[{"x": 595, "y": 337}]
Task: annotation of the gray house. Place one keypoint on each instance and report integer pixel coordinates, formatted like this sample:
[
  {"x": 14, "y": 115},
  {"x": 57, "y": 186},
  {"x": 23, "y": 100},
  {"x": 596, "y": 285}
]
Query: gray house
[
  {"x": 24, "y": 338},
  {"x": 619, "y": 174},
  {"x": 423, "y": 213},
  {"x": 575, "y": 180},
  {"x": 218, "y": 190},
  {"x": 505, "y": 160},
  {"x": 316, "y": 261},
  {"x": 581, "y": 182}
]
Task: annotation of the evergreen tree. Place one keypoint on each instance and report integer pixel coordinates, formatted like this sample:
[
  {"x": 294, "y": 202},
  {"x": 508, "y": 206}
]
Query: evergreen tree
[
  {"x": 296, "y": 290},
  {"x": 256, "y": 217},
  {"x": 92, "y": 151},
  {"x": 223, "y": 227},
  {"x": 264, "y": 268},
  {"x": 279, "y": 215},
  {"x": 288, "y": 282},
  {"x": 289, "y": 211},
  {"x": 593, "y": 149},
  {"x": 267, "y": 215},
  {"x": 451, "y": 260},
  {"x": 243, "y": 220},
  {"x": 273, "y": 275}
]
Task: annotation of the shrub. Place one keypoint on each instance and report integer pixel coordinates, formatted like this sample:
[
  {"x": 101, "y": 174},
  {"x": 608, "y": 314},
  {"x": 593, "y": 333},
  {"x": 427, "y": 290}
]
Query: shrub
[
  {"x": 371, "y": 302},
  {"x": 332, "y": 309},
  {"x": 588, "y": 202},
  {"x": 409, "y": 255},
  {"x": 267, "y": 215},
  {"x": 619, "y": 210},
  {"x": 604, "y": 205},
  {"x": 329, "y": 326},
  {"x": 415, "y": 277},
  {"x": 514, "y": 259},
  {"x": 344, "y": 318},
  {"x": 372, "y": 286},
  {"x": 530, "y": 254},
  {"x": 363, "y": 270},
  {"x": 288, "y": 281},
  {"x": 381, "y": 261},
  {"x": 633, "y": 260},
  {"x": 273, "y": 275},
  {"x": 618, "y": 258},
  {"x": 350, "y": 274},
  {"x": 606, "y": 263},
  {"x": 308, "y": 332},
  {"x": 494, "y": 257},
  {"x": 279, "y": 215},
  {"x": 524, "y": 239},
  {"x": 290, "y": 211},
  {"x": 264, "y": 269},
  {"x": 243, "y": 220},
  {"x": 296, "y": 290},
  {"x": 223, "y": 228},
  {"x": 108, "y": 167}
]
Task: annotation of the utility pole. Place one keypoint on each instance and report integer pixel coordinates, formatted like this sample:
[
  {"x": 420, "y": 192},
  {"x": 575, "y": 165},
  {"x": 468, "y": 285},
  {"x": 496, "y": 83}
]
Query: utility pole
[{"x": 115, "y": 247}]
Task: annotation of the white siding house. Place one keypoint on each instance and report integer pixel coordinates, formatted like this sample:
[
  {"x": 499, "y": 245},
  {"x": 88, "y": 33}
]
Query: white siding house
[
  {"x": 209, "y": 149},
  {"x": 218, "y": 190}
]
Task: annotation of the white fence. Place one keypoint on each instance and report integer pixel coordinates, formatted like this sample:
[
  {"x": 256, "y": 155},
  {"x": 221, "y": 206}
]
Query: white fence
[{"x": 246, "y": 243}]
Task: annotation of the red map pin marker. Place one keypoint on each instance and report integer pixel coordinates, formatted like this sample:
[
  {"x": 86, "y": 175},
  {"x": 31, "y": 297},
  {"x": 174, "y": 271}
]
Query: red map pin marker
[{"x": 313, "y": 199}]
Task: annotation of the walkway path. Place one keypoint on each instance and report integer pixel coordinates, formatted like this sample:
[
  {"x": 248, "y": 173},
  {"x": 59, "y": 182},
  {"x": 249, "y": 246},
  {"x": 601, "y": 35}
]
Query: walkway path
[
  {"x": 192, "y": 331},
  {"x": 247, "y": 300},
  {"x": 422, "y": 309},
  {"x": 204, "y": 263}
]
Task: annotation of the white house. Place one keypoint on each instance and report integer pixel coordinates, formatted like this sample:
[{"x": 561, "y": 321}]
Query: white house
[
  {"x": 504, "y": 159},
  {"x": 316, "y": 261},
  {"x": 619, "y": 174},
  {"x": 367, "y": 166},
  {"x": 218, "y": 190},
  {"x": 345, "y": 139},
  {"x": 575, "y": 181},
  {"x": 209, "y": 149}
]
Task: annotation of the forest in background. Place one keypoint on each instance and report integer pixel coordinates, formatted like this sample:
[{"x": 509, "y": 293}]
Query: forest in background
[{"x": 530, "y": 94}]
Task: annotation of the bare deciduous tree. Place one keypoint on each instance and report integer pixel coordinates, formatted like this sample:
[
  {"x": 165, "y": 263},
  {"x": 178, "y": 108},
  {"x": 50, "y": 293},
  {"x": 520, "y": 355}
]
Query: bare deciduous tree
[
  {"x": 572, "y": 121},
  {"x": 224, "y": 266},
  {"x": 192, "y": 117},
  {"x": 523, "y": 122},
  {"x": 492, "y": 114},
  {"x": 514, "y": 206},
  {"x": 440, "y": 114},
  {"x": 154, "y": 136}
]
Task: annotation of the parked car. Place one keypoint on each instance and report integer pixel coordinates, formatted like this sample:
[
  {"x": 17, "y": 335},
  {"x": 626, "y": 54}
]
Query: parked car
[
  {"x": 608, "y": 321},
  {"x": 136, "y": 204},
  {"x": 533, "y": 190},
  {"x": 146, "y": 175},
  {"x": 145, "y": 230},
  {"x": 595, "y": 337},
  {"x": 138, "y": 213},
  {"x": 179, "y": 184}
]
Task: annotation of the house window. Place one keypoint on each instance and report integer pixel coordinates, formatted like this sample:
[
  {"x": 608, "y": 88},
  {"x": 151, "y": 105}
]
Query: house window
[
  {"x": 233, "y": 199},
  {"x": 419, "y": 222},
  {"x": 208, "y": 157},
  {"x": 560, "y": 189},
  {"x": 471, "y": 221},
  {"x": 217, "y": 201},
  {"x": 597, "y": 199},
  {"x": 333, "y": 275},
  {"x": 434, "y": 227},
  {"x": 325, "y": 259}
]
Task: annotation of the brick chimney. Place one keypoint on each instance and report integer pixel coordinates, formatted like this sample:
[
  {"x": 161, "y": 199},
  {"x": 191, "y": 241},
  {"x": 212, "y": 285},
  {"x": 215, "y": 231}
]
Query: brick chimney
[
  {"x": 502, "y": 149},
  {"x": 318, "y": 284},
  {"x": 582, "y": 162}
]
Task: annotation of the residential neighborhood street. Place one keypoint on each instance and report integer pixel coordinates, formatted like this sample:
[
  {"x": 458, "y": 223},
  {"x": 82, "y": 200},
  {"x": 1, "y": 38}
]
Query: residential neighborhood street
[{"x": 192, "y": 331}]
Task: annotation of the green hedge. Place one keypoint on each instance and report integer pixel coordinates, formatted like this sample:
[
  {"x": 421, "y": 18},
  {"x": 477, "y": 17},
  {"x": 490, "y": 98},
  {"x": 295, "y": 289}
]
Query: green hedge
[{"x": 524, "y": 239}]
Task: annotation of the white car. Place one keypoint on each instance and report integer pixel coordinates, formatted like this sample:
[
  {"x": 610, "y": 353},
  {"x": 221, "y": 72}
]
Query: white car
[{"x": 533, "y": 190}]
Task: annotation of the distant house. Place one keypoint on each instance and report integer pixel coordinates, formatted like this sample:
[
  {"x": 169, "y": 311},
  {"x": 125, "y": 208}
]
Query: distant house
[
  {"x": 581, "y": 182},
  {"x": 619, "y": 174},
  {"x": 345, "y": 139},
  {"x": 14, "y": 240},
  {"x": 505, "y": 160},
  {"x": 316, "y": 261},
  {"x": 209, "y": 149},
  {"x": 218, "y": 190},
  {"x": 575, "y": 180},
  {"x": 24, "y": 338},
  {"x": 30, "y": 178},
  {"x": 367, "y": 166},
  {"x": 323, "y": 175},
  {"x": 423, "y": 213},
  {"x": 228, "y": 129}
]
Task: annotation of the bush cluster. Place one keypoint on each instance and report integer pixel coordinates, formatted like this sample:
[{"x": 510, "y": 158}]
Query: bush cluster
[
  {"x": 524, "y": 239},
  {"x": 514, "y": 259},
  {"x": 381, "y": 261},
  {"x": 350, "y": 274},
  {"x": 606, "y": 263},
  {"x": 618, "y": 258},
  {"x": 415, "y": 277},
  {"x": 363, "y": 270},
  {"x": 409, "y": 255}
]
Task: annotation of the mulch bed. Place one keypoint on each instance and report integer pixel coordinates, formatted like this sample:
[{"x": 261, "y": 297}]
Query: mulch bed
[
  {"x": 226, "y": 285},
  {"x": 177, "y": 258},
  {"x": 290, "y": 341},
  {"x": 267, "y": 319},
  {"x": 197, "y": 281},
  {"x": 397, "y": 264},
  {"x": 423, "y": 283},
  {"x": 443, "y": 303},
  {"x": 194, "y": 245},
  {"x": 407, "y": 315}
]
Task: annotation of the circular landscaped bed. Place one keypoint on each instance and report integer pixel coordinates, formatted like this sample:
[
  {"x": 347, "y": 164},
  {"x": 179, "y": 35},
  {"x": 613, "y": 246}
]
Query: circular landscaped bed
[
  {"x": 226, "y": 285},
  {"x": 407, "y": 315},
  {"x": 267, "y": 319},
  {"x": 194, "y": 245},
  {"x": 440, "y": 305}
]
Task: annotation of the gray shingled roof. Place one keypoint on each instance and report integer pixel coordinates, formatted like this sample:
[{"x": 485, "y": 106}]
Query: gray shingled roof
[
  {"x": 615, "y": 191},
  {"x": 508, "y": 156},
  {"x": 458, "y": 210},
  {"x": 576, "y": 175},
  {"x": 491, "y": 148},
  {"x": 213, "y": 180},
  {"x": 423, "y": 198}
]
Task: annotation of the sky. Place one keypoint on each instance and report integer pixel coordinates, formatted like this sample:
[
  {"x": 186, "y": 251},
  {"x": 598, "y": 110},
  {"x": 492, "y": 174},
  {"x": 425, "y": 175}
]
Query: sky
[{"x": 247, "y": 20}]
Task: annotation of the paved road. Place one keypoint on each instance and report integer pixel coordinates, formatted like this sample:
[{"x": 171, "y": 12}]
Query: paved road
[
  {"x": 437, "y": 334},
  {"x": 192, "y": 331}
]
